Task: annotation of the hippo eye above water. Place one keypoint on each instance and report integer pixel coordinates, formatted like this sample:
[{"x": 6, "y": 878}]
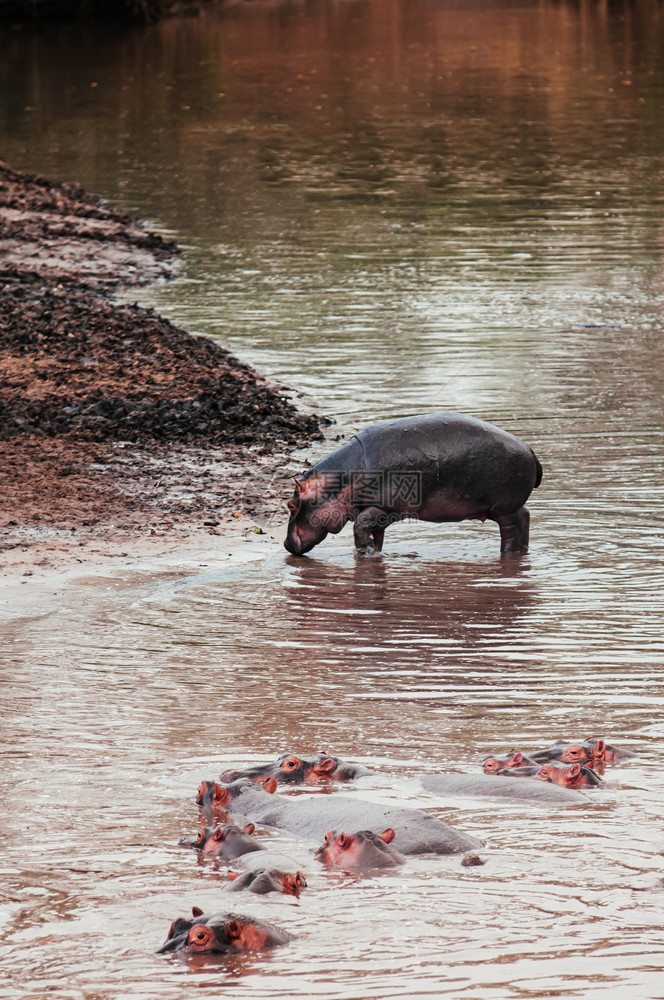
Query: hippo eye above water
[
  {"x": 292, "y": 506},
  {"x": 200, "y": 837},
  {"x": 201, "y": 936},
  {"x": 290, "y": 763}
]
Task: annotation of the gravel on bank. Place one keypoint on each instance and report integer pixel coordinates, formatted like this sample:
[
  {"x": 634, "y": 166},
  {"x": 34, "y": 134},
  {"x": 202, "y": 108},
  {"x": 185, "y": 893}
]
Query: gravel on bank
[{"x": 111, "y": 418}]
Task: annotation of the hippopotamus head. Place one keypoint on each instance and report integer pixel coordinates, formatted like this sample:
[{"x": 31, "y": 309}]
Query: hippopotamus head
[
  {"x": 364, "y": 849},
  {"x": 221, "y": 934},
  {"x": 225, "y": 841},
  {"x": 218, "y": 799},
  {"x": 291, "y": 769},
  {"x": 575, "y": 753},
  {"x": 318, "y": 506},
  {"x": 264, "y": 880},
  {"x": 492, "y": 765},
  {"x": 568, "y": 775}
]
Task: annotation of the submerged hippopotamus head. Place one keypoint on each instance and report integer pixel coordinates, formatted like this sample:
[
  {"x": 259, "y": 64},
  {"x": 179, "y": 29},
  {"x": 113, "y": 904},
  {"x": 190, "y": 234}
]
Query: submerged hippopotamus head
[
  {"x": 492, "y": 765},
  {"x": 215, "y": 800},
  {"x": 318, "y": 506},
  {"x": 264, "y": 880},
  {"x": 225, "y": 841},
  {"x": 364, "y": 849},
  {"x": 291, "y": 769},
  {"x": 568, "y": 775},
  {"x": 221, "y": 934}
]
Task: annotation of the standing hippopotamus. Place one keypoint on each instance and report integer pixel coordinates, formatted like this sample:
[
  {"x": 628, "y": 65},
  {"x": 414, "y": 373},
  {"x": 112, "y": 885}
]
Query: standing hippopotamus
[{"x": 434, "y": 467}]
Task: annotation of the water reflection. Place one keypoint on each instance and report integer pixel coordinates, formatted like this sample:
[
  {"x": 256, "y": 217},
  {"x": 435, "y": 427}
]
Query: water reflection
[{"x": 389, "y": 611}]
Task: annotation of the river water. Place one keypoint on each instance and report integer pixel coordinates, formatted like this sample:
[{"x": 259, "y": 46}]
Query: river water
[{"x": 392, "y": 206}]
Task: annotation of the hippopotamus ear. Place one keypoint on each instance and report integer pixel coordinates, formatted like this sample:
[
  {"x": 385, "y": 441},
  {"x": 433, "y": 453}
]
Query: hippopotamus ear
[
  {"x": 249, "y": 828},
  {"x": 269, "y": 784},
  {"x": 196, "y": 911},
  {"x": 310, "y": 489},
  {"x": 574, "y": 770},
  {"x": 518, "y": 757},
  {"x": 233, "y": 875},
  {"x": 325, "y": 765},
  {"x": 387, "y": 835},
  {"x": 233, "y": 930}
]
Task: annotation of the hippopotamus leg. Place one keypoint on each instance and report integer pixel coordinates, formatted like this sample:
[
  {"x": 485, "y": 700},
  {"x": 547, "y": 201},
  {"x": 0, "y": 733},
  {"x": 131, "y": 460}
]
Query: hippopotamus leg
[
  {"x": 369, "y": 530},
  {"x": 514, "y": 530}
]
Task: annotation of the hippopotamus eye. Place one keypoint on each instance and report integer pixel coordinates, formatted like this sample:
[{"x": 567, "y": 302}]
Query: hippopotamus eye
[
  {"x": 292, "y": 506},
  {"x": 200, "y": 837},
  {"x": 290, "y": 763}
]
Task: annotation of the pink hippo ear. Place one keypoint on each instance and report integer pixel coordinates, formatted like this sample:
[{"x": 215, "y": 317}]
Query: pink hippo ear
[
  {"x": 249, "y": 828},
  {"x": 269, "y": 784},
  {"x": 309, "y": 489},
  {"x": 387, "y": 835},
  {"x": 574, "y": 770},
  {"x": 196, "y": 911},
  {"x": 325, "y": 766},
  {"x": 233, "y": 875},
  {"x": 518, "y": 757}
]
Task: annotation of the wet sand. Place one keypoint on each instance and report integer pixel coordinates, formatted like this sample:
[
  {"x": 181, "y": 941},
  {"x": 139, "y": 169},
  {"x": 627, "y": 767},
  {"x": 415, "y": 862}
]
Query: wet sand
[{"x": 120, "y": 433}]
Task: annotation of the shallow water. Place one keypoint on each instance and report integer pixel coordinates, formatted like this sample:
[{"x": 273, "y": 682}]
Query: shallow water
[{"x": 395, "y": 207}]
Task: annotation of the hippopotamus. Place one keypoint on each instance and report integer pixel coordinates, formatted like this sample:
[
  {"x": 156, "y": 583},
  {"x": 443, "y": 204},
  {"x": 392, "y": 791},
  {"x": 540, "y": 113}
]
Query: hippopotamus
[
  {"x": 592, "y": 750},
  {"x": 416, "y": 832},
  {"x": 264, "y": 880},
  {"x": 225, "y": 841},
  {"x": 569, "y": 775},
  {"x": 210, "y": 798},
  {"x": 433, "y": 467},
  {"x": 292, "y": 769},
  {"x": 221, "y": 934},
  {"x": 364, "y": 849},
  {"x": 492, "y": 786},
  {"x": 492, "y": 765}
]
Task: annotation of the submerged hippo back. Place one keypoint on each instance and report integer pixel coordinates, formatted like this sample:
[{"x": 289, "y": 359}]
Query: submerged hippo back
[{"x": 416, "y": 832}]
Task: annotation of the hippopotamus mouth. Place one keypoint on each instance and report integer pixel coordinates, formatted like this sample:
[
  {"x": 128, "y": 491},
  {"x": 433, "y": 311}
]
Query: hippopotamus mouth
[{"x": 296, "y": 545}]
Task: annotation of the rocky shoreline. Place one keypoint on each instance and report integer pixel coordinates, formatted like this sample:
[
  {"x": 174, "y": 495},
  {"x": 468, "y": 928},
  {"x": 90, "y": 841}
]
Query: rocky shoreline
[{"x": 113, "y": 421}]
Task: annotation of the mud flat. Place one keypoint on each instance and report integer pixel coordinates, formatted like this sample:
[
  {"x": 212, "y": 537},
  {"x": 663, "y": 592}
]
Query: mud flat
[{"x": 119, "y": 432}]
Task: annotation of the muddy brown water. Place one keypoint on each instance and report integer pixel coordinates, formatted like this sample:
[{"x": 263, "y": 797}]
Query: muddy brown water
[{"x": 393, "y": 207}]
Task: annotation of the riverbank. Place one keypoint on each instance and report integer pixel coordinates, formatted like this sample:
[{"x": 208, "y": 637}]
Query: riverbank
[{"x": 116, "y": 426}]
